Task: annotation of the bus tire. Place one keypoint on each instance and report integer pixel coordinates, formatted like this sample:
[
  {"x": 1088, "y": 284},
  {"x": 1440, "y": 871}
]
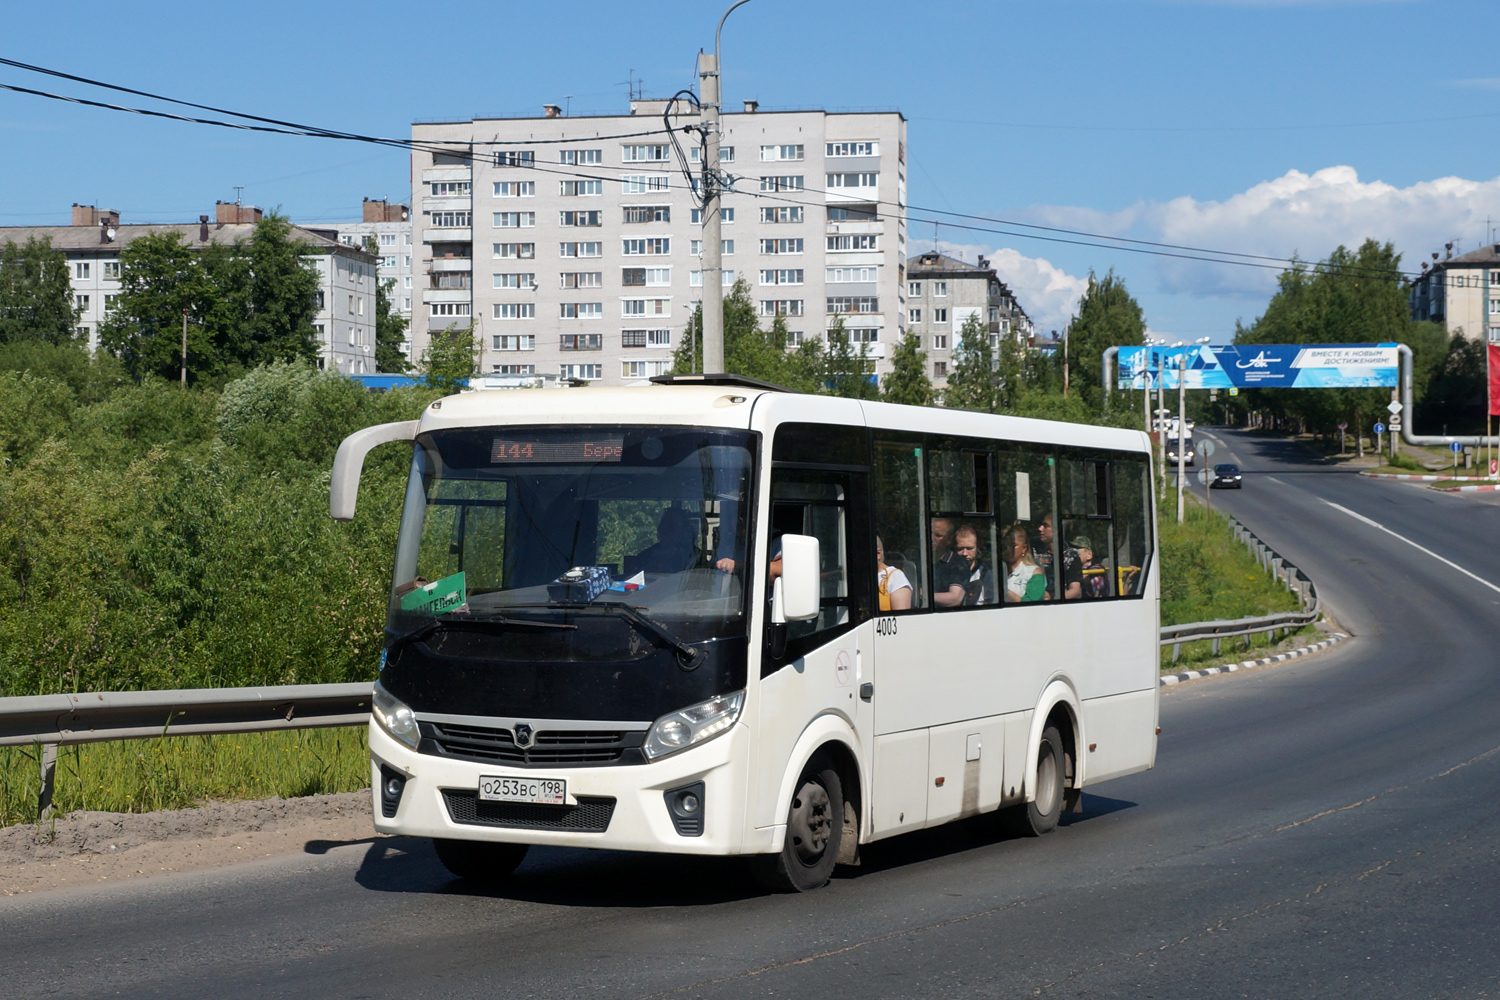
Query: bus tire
[
  {"x": 814, "y": 832},
  {"x": 480, "y": 860},
  {"x": 1039, "y": 816}
]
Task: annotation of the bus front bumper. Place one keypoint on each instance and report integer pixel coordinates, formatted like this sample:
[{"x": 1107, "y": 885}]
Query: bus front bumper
[{"x": 630, "y": 802}]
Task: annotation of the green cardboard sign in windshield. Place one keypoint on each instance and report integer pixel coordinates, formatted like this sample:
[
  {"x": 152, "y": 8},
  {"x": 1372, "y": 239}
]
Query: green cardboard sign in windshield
[{"x": 437, "y": 598}]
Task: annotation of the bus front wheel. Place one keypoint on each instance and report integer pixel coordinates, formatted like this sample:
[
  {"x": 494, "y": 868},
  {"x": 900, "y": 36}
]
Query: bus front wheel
[
  {"x": 814, "y": 831},
  {"x": 1032, "y": 819},
  {"x": 480, "y": 860}
]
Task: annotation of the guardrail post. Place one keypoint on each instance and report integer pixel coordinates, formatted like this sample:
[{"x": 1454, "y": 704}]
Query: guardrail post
[
  {"x": 48, "y": 759},
  {"x": 1176, "y": 651},
  {"x": 1216, "y": 646}
]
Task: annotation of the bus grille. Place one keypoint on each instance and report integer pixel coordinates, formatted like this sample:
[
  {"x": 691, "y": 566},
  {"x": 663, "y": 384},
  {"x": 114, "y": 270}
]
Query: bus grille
[
  {"x": 485, "y": 745},
  {"x": 591, "y": 815}
]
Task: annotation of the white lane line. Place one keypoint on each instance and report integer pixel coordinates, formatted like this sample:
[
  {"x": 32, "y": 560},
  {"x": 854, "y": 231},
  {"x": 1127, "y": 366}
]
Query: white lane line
[
  {"x": 1275, "y": 480},
  {"x": 1408, "y": 541}
]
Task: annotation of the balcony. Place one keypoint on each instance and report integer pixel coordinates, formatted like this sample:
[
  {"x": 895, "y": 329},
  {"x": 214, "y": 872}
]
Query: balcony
[
  {"x": 875, "y": 228},
  {"x": 447, "y": 174},
  {"x": 451, "y": 265},
  {"x": 435, "y": 235}
]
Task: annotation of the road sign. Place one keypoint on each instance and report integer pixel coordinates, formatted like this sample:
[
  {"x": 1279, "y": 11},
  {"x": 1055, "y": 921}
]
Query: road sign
[
  {"x": 1455, "y": 447},
  {"x": 1395, "y": 422},
  {"x": 1395, "y": 407},
  {"x": 1203, "y": 476},
  {"x": 1204, "y": 449},
  {"x": 1379, "y": 428},
  {"x": 1495, "y": 466},
  {"x": 1343, "y": 427}
]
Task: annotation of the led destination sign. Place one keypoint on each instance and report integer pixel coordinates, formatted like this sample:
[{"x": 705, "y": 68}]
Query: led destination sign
[{"x": 600, "y": 449}]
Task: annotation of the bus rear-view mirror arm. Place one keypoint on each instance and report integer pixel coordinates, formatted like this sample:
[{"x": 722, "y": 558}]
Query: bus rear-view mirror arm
[{"x": 349, "y": 462}]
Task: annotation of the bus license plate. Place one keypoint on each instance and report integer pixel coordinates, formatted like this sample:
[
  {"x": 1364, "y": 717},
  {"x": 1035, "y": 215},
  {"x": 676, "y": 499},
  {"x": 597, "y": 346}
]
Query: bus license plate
[{"x": 537, "y": 791}]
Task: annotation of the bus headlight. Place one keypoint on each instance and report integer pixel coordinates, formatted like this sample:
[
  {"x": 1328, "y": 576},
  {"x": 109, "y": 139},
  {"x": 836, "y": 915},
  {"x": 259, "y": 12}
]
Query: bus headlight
[
  {"x": 395, "y": 717},
  {"x": 689, "y": 726}
]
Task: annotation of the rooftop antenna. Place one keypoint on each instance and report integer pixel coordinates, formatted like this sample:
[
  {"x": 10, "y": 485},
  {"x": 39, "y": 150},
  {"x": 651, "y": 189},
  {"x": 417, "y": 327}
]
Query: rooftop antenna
[
  {"x": 567, "y": 105},
  {"x": 935, "y": 237},
  {"x": 238, "y": 189},
  {"x": 630, "y": 85}
]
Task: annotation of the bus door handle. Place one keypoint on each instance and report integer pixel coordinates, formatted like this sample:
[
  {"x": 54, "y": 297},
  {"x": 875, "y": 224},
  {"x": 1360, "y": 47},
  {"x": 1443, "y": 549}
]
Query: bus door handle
[{"x": 866, "y": 691}]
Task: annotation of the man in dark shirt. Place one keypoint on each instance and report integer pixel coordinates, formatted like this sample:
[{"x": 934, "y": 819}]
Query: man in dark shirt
[
  {"x": 1072, "y": 580},
  {"x": 949, "y": 572}
]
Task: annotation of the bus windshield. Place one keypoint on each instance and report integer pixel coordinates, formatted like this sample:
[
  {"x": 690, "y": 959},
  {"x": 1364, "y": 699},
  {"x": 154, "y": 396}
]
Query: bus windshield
[{"x": 552, "y": 523}]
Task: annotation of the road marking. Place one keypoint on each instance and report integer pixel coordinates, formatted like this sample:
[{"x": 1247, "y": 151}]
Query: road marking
[
  {"x": 1275, "y": 480},
  {"x": 1408, "y": 541}
]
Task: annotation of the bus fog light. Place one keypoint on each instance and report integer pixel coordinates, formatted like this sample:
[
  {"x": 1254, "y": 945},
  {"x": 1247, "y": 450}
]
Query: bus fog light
[
  {"x": 692, "y": 725},
  {"x": 685, "y": 806},
  {"x": 395, "y": 717},
  {"x": 688, "y": 802}
]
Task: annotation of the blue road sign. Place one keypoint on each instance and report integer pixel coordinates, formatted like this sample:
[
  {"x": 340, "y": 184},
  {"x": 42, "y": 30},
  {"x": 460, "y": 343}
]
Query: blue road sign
[
  {"x": 1455, "y": 446},
  {"x": 1380, "y": 428}
]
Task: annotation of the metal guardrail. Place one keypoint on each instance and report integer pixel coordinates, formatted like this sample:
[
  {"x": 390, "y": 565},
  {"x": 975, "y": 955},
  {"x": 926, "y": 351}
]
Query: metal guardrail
[
  {"x": 1275, "y": 565},
  {"x": 54, "y": 720}
]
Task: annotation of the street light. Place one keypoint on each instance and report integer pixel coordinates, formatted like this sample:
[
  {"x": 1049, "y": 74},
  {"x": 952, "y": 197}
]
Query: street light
[{"x": 1182, "y": 419}]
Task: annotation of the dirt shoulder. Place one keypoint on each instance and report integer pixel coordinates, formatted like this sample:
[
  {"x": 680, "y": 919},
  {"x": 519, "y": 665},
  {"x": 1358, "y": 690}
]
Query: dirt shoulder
[{"x": 91, "y": 847}]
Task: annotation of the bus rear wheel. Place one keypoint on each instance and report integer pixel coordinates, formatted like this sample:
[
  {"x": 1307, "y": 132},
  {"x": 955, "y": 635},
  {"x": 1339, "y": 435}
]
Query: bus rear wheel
[
  {"x": 1032, "y": 819},
  {"x": 480, "y": 860},
  {"x": 814, "y": 832}
]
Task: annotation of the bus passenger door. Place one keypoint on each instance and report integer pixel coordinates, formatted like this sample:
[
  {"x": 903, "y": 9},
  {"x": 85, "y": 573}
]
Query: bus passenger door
[{"x": 819, "y": 671}]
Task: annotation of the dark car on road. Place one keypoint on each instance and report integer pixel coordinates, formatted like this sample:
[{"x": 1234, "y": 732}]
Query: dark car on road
[{"x": 1226, "y": 477}]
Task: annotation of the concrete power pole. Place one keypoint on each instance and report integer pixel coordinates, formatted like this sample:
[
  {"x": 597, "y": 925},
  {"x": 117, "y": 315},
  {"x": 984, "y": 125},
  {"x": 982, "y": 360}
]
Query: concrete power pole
[{"x": 713, "y": 247}]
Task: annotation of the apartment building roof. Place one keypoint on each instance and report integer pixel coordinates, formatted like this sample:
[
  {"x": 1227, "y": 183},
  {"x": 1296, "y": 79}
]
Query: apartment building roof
[
  {"x": 1487, "y": 255},
  {"x": 652, "y": 108},
  {"x": 938, "y": 263}
]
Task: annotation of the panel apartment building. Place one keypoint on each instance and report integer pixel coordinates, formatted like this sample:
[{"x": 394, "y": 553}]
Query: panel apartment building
[
  {"x": 942, "y": 292},
  {"x": 1463, "y": 292},
  {"x": 389, "y": 225},
  {"x": 575, "y": 247}
]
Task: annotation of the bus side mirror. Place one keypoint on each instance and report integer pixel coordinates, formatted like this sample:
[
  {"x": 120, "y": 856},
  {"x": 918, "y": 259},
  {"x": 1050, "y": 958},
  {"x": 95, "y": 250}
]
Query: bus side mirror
[
  {"x": 800, "y": 568},
  {"x": 349, "y": 462}
]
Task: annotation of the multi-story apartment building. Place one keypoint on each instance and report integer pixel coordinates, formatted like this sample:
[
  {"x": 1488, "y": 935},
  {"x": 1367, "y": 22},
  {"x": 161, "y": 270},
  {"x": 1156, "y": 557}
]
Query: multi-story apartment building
[
  {"x": 345, "y": 320},
  {"x": 573, "y": 244},
  {"x": 389, "y": 227},
  {"x": 1463, "y": 292},
  {"x": 942, "y": 292}
]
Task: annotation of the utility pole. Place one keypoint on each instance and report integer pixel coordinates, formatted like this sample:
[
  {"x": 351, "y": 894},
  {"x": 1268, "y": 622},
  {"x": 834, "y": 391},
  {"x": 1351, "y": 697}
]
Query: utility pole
[
  {"x": 1161, "y": 423},
  {"x": 1181, "y": 428},
  {"x": 184, "y": 347}
]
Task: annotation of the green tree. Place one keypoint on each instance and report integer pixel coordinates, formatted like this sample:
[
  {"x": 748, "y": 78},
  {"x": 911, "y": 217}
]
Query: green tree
[
  {"x": 973, "y": 381},
  {"x": 1107, "y": 317},
  {"x": 390, "y": 331},
  {"x": 283, "y": 287},
  {"x": 846, "y": 370},
  {"x": 36, "y": 294},
  {"x": 451, "y": 359},
  {"x": 908, "y": 382},
  {"x": 748, "y": 349},
  {"x": 160, "y": 279}
]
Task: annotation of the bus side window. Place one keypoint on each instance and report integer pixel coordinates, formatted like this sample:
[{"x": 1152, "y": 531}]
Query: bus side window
[
  {"x": 899, "y": 521},
  {"x": 819, "y": 504},
  {"x": 1025, "y": 494},
  {"x": 1132, "y": 533}
]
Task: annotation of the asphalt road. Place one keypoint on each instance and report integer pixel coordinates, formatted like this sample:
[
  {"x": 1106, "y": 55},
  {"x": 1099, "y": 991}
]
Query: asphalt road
[{"x": 1327, "y": 827}]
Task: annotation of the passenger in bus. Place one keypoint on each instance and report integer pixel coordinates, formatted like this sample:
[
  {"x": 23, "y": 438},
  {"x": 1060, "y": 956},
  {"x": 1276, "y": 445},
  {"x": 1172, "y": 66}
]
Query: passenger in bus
[
  {"x": 1024, "y": 580},
  {"x": 895, "y": 588},
  {"x": 947, "y": 568},
  {"x": 1072, "y": 583},
  {"x": 674, "y": 550},
  {"x": 978, "y": 581},
  {"x": 1094, "y": 576}
]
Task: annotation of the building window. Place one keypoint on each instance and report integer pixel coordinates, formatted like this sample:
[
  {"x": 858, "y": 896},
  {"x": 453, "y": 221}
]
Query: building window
[
  {"x": 515, "y": 310},
  {"x": 644, "y": 183},
  {"x": 515, "y": 220},
  {"x": 581, "y": 342},
  {"x": 940, "y": 342},
  {"x": 726, "y": 154},
  {"x": 914, "y": 289},
  {"x": 81, "y": 332},
  {"x": 695, "y": 278},
  {"x": 515, "y": 189},
  {"x": 853, "y": 243},
  {"x": 111, "y": 270},
  {"x": 862, "y": 179},
  {"x": 581, "y": 279},
  {"x": 695, "y": 247},
  {"x": 845, "y": 274},
  {"x": 650, "y": 153},
  {"x": 515, "y": 341},
  {"x": 81, "y": 269},
  {"x": 781, "y": 276},
  {"x": 451, "y": 220},
  {"x": 515, "y": 158},
  {"x": 645, "y": 338},
  {"x": 853, "y": 213},
  {"x": 771, "y": 154},
  {"x": 781, "y": 246},
  {"x": 783, "y": 183},
  {"x": 852, "y": 149},
  {"x": 517, "y": 280},
  {"x": 589, "y": 218},
  {"x": 632, "y": 276},
  {"x": 582, "y": 157},
  {"x": 940, "y": 369},
  {"x": 448, "y": 189},
  {"x": 912, "y": 315},
  {"x": 646, "y": 307},
  {"x": 515, "y": 251},
  {"x": 726, "y": 215},
  {"x": 387, "y": 239},
  {"x": 318, "y": 331},
  {"x": 853, "y": 304},
  {"x": 648, "y": 213},
  {"x": 581, "y": 310},
  {"x": 407, "y": 280},
  {"x": 653, "y": 246},
  {"x": 940, "y": 288},
  {"x": 450, "y": 309},
  {"x": 580, "y": 249},
  {"x": 781, "y": 213},
  {"x": 585, "y": 373},
  {"x": 81, "y": 301},
  {"x": 580, "y": 189},
  {"x": 781, "y": 307},
  {"x": 863, "y": 335},
  {"x": 794, "y": 338},
  {"x": 513, "y": 369},
  {"x": 644, "y": 369},
  {"x": 940, "y": 315}
]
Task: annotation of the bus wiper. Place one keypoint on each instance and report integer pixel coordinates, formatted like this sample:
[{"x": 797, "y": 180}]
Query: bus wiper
[
  {"x": 452, "y": 618},
  {"x": 688, "y": 655}
]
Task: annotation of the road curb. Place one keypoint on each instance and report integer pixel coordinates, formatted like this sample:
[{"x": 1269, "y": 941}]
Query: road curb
[
  {"x": 1317, "y": 647},
  {"x": 1464, "y": 489},
  {"x": 1403, "y": 475}
]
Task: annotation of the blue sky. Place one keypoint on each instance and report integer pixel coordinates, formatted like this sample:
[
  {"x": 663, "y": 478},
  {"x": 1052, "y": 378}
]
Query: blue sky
[{"x": 1270, "y": 128}]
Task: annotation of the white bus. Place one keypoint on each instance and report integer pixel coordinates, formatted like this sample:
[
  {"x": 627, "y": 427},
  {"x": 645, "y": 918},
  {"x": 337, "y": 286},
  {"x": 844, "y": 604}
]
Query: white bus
[{"x": 649, "y": 619}]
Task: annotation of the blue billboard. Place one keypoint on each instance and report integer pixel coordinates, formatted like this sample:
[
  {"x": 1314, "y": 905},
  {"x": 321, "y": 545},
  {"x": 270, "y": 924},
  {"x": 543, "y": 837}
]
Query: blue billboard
[{"x": 1259, "y": 366}]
